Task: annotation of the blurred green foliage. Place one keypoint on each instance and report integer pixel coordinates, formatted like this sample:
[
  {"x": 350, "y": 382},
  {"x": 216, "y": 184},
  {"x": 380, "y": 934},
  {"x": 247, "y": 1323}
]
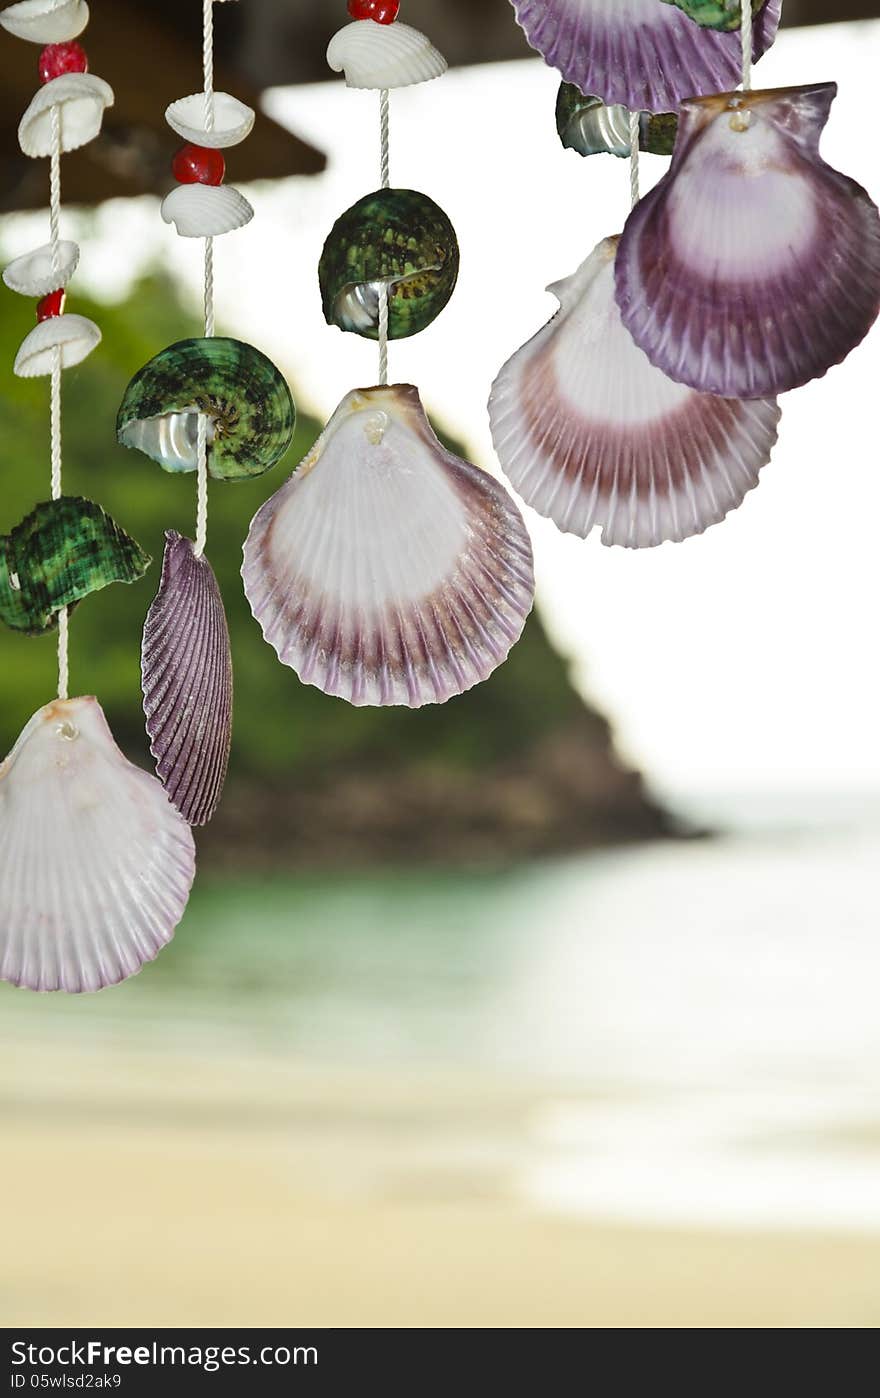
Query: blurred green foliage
[{"x": 281, "y": 726}]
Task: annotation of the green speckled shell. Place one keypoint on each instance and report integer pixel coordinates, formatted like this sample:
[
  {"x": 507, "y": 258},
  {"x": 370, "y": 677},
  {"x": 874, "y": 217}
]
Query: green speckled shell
[
  {"x": 715, "y": 14},
  {"x": 64, "y": 550},
  {"x": 237, "y": 386},
  {"x": 398, "y": 236},
  {"x": 587, "y": 126}
]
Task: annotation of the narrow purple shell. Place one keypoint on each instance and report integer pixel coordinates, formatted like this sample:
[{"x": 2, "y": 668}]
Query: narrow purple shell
[
  {"x": 753, "y": 266},
  {"x": 186, "y": 667},
  {"x": 643, "y": 54}
]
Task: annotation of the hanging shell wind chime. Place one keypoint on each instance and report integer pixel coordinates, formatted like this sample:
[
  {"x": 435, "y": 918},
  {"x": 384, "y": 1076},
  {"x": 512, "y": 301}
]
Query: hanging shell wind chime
[
  {"x": 96, "y": 866},
  {"x": 387, "y": 570},
  {"x": 221, "y": 409}
]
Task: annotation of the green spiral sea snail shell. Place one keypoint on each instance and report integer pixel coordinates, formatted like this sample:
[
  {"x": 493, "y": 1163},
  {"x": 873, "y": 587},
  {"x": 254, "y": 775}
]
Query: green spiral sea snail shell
[
  {"x": 586, "y": 125},
  {"x": 399, "y": 237},
  {"x": 64, "y": 550},
  {"x": 715, "y": 14},
  {"x": 245, "y": 397}
]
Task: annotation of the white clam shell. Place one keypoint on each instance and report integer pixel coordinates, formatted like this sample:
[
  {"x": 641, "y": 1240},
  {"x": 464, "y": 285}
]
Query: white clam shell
[
  {"x": 381, "y": 56},
  {"x": 387, "y": 570},
  {"x": 592, "y": 435},
  {"x": 46, "y": 21},
  {"x": 33, "y": 274},
  {"x": 206, "y": 210},
  {"x": 76, "y": 337},
  {"x": 96, "y": 865},
  {"x": 82, "y": 99},
  {"x": 233, "y": 121}
]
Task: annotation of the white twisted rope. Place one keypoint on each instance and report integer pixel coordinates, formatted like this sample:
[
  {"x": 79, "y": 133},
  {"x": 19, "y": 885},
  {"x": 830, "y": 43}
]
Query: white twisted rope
[
  {"x": 634, "y": 139},
  {"x": 202, "y": 440},
  {"x": 55, "y": 388},
  {"x": 747, "y": 44},
  {"x": 385, "y": 178}
]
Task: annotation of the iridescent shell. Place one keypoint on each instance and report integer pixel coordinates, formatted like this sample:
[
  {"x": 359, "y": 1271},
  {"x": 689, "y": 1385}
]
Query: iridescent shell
[
  {"x": 398, "y": 237},
  {"x": 46, "y": 21},
  {"x": 186, "y": 664},
  {"x": 716, "y": 14},
  {"x": 246, "y": 399},
  {"x": 386, "y": 570},
  {"x": 81, "y": 99},
  {"x": 587, "y": 126},
  {"x": 389, "y": 56},
  {"x": 64, "y": 550},
  {"x": 753, "y": 267},
  {"x": 591, "y": 435},
  {"x": 96, "y": 865},
  {"x": 641, "y": 54}
]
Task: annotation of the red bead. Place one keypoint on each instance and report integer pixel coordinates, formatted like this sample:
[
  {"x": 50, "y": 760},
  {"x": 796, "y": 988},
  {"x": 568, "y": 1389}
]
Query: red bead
[
  {"x": 198, "y": 165},
  {"x": 57, "y": 59},
  {"x": 382, "y": 11},
  {"x": 51, "y": 305}
]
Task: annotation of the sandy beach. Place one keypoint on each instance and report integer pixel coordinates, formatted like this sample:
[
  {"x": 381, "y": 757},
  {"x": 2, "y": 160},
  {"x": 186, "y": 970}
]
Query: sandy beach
[{"x": 181, "y": 1191}]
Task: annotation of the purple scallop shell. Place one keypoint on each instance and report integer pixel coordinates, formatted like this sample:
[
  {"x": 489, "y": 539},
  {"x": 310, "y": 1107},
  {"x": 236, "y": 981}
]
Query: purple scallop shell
[
  {"x": 186, "y": 667},
  {"x": 753, "y": 266},
  {"x": 643, "y": 54}
]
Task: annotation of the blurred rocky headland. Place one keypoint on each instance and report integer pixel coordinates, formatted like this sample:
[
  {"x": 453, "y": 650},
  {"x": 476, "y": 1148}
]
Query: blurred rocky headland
[{"x": 518, "y": 767}]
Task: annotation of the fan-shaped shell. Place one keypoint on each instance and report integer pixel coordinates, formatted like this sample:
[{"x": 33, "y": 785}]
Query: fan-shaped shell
[
  {"x": 96, "y": 865},
  {"x": 592, "y": 435},
  {"x": 398, "y": 237},
  {"x": 386, "y": 570},
  {"x": 75, "y": 336},
  {"x": 250, "y": 412},
  {"x": 81, "y": 99},
  {"x": 46, "y": 21},
  {"x": 233, "y": 121},
  {"x": 33, "y": 273},
  {"x": 386, "y": 56},
  {"x": 753, "y": 266},
  {"x": 186, "y": 665},
  {"x": 643, "y": 54},
  {"x": 206, "y": 211}
]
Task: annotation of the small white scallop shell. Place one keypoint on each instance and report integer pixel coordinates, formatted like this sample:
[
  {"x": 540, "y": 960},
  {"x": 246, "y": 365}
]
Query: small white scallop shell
[
  {"x": 233, "y": 121},
  {"x": 46, "y": 21},
  {"x": 381, "y": 56},
  {"x": 206, "y": 210},
  {"x": 96, "y": 865},
  {"x": 76, "y": 337},
  {"x": 82, "y": 99},
  {"x": 32, "y": 274}
]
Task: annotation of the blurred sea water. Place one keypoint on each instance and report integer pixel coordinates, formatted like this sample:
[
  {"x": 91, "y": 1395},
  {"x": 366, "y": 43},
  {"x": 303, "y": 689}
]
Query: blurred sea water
[{"x": 690, "y": 1029}]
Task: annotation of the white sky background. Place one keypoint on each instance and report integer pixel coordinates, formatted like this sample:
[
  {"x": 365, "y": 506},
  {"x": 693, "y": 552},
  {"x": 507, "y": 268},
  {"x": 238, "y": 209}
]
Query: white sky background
[{"x": 743, "y": 660}]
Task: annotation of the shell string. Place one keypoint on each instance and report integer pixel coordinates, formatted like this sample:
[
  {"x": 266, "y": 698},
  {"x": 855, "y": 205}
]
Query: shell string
[
  {"x": 55, "y": 389},
  {"x": 747, "y": 44},
  {"x": 202, "y": 445},
  {"x": 385, "y": 177},
  {"x": 635, "y": 119}
]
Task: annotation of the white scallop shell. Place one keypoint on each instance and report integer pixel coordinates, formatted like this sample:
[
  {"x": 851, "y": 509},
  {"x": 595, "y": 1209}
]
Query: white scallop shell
[
  {"x": 33, "y": 275},
  {"x": 387, "y": 570},
  {"x": 76, "y": 337},
  {"x": 96, "y": 865},
  {"x": 82, "y": 99},
  {"x": 381, "y": 56},
  {"x": 46, "y": 21},
  {"x": 591, "y": 435},
  {"x": 233, "y": 121},
  {"x": 206, "y": 210}
]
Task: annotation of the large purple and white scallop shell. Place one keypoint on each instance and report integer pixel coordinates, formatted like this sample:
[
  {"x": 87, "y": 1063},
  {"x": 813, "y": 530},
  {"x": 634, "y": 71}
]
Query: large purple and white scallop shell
[
  {"x": 642, "y": 54},
  {"x": 387, "y": 570},
  {"x": 753, "y": 266},
  {"x": 96, "y": 865},
  {"x": 186, "y": 667},
  {"x": 591, "y": 435}
]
